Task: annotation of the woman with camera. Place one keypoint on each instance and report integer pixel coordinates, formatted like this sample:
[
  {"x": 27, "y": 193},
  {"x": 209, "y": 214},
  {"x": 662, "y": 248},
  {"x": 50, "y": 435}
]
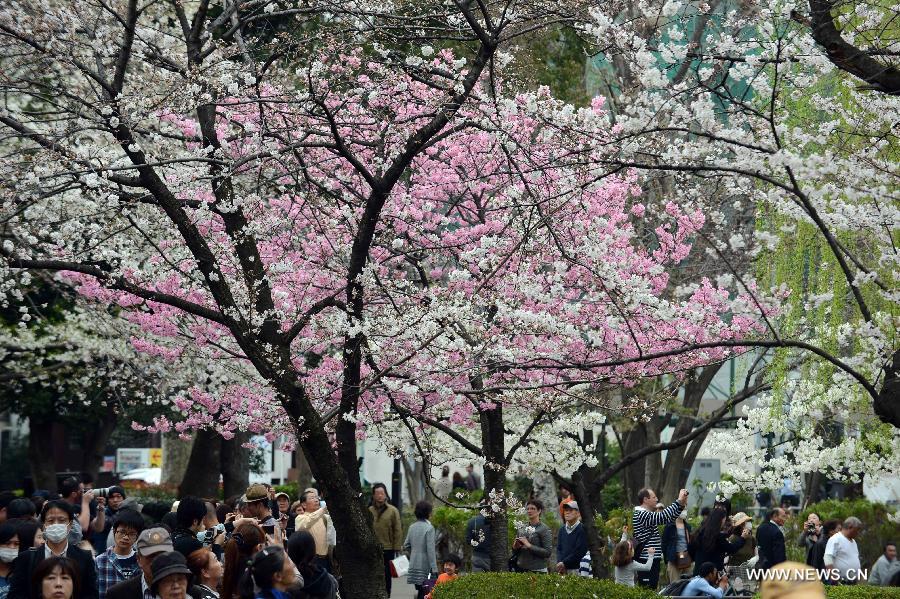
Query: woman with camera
[{"x": 534, "y": 541}]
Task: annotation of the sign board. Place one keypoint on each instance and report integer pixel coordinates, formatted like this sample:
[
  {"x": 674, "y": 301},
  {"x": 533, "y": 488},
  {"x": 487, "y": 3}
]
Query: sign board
[{"x": 131, "y": 458}]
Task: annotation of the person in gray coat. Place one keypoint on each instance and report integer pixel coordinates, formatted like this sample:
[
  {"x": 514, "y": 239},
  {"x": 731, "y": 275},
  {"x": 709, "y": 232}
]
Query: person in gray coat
[
  {"x": 533, "y": 540},
  {"x": 419, "y": 544}
]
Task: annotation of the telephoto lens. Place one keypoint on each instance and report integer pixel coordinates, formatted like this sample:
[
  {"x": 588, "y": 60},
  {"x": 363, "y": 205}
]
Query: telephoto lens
[{"x": 102, "y": 492}]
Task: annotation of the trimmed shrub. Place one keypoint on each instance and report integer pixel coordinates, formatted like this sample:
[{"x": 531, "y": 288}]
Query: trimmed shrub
[
  {"x": 858, "y": 592},
  {"x": 537, "y": 586},
  {"x": 862, "y": 592}
]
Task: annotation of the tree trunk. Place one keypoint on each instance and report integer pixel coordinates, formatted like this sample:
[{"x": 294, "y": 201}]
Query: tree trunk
[
  {"x": 414, "y": 474},
  {"x": 358, "y": 551},
  {"x": 95, "y": 442},
  {"x": 583, "y": 480},
  {"x": 679, "y": 460},
  {"x": 545, "y": 490},
  {"x": 653, "y": 467},
  {"x": 633, "y": 475},
  {"x": 303, "y": 473},
  {"x": 201, "y": 478},
  {"x": 492, "y": 438},
  {"x": 235, "y": 465},
  {"x": 176, "y": 452},
  {"x": 40, "y": 454}
]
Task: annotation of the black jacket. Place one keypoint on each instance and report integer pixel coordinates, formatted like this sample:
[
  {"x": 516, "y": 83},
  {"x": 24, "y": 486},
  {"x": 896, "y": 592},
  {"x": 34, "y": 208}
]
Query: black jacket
[
  {"x": 24, "y": 566},
  {"x": 318, "y": 583},
  {"x": 129, "y": 589},
  {"x": 716, "y": 554},
  {"x": 770, "y": 543},
  {"x": 815, "y": 557},
  {"x": 185, "y": 541},
  {"x": 670, "y": 540}
]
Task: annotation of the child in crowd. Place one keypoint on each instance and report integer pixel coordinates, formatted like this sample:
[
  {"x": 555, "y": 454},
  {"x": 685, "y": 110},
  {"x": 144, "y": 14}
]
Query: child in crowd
[
  {"x": 451, "y": 567},
  {"x": 626, "y": 566}
]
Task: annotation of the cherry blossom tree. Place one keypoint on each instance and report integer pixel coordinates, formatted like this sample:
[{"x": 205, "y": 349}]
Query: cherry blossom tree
[
  {"x": 789, "y": 107},
  {"x": 344, "y": 232}
]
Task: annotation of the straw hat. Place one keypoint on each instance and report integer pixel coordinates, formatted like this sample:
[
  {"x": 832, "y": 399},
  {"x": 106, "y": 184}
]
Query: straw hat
[{"x": 740, "y": 518}]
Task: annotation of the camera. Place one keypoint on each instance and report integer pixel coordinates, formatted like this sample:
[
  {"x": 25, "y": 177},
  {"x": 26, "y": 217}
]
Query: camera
[{"x": 102, "y": 492}]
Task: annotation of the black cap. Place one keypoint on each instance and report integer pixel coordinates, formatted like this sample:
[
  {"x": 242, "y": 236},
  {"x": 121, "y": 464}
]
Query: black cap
[{"x": 167, "y": 564}]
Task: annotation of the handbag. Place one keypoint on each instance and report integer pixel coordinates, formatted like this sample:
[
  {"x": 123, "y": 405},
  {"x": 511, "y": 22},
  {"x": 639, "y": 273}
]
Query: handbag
[
  {"x": 683, "y": 559},
  {"x": 513, "y": 564},
  {"x": 399, "y": 566}
]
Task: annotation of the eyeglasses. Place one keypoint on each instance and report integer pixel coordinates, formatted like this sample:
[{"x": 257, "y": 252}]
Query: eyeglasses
[{"x": 127, "y": 534}]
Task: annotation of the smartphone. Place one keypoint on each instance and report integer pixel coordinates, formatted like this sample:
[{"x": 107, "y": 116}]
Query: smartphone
[{"x": 269, "y": 529}]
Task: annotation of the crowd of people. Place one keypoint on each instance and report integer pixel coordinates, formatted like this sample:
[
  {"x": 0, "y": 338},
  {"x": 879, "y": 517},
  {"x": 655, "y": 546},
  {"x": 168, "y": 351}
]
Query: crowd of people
[{"x": 81, "y": 543}]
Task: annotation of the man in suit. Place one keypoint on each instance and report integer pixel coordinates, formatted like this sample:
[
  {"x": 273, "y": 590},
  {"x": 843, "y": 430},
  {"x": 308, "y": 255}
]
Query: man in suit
[
  {"x": 56, "y": 520},
  {"x": 151, "y": 543},
  {"x": 770, "y": 539}
]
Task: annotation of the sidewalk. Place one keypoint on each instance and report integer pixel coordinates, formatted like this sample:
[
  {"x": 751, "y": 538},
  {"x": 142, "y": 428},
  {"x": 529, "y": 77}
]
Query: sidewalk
[{"x": 401, "y": 590}]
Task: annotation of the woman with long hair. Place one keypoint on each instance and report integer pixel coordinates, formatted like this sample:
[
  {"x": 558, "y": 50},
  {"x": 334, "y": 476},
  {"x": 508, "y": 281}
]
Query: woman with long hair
[
  {"x": 56, "y": 578},
  {"x": 271, "y": 571},
  {"x": 248, "y": 538},
  {"x": 317, "y": 582},
  {"x": 9, "y": 551},
  {"x": 625, "y": 564},
  {"x": 207, "y": 571},
  {"x": 711, "y": 544}
]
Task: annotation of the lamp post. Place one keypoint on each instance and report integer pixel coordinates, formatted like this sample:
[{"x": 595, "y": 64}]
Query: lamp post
[{"x": 396, "y": 486}]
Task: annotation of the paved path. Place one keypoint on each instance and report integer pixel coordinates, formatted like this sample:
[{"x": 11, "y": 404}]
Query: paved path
[{"x": 401, "y": 590}]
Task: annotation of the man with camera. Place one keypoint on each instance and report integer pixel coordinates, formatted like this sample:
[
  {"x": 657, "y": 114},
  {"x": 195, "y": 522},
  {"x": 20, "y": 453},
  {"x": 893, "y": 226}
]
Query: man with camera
[
  {"x": 113, "y": 496},
  {"x": 707, "y": 583},
  {"x": 88, "y": 518}
]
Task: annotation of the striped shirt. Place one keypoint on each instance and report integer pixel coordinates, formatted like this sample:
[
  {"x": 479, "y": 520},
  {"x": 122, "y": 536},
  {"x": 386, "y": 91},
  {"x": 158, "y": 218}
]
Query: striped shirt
[{"x": 646, "y": 527}]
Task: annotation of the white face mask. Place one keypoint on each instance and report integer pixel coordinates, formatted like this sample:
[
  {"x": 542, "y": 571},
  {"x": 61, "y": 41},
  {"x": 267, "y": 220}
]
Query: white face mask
[
  {"x": 8, "y": 554},
  {"x": 56, "y": 532}
]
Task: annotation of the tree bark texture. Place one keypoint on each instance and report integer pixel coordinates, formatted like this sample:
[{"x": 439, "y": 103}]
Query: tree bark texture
[
  {"x": 493, "y": 442},
  {"x": 176, "y": 452},
  {"x": 96, "y": 439},
  {"x": 583, "y": 482},
  {"x": 235, "y": 465},
  {"x": 201, "y": 478},
  {"x": 40, "y": 454}
]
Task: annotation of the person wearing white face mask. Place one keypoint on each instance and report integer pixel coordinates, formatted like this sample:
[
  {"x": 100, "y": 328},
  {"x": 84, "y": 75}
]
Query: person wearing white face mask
[
  {"x": 56, "y": 519},
  {"x": 9, "y": 550}
]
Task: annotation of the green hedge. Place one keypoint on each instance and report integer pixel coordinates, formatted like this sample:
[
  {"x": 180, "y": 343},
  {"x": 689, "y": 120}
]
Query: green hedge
[
  {"x": 862, "y": 592},
  {"x": 551, "y": 586},
  {"x": 536, "y": 586}
]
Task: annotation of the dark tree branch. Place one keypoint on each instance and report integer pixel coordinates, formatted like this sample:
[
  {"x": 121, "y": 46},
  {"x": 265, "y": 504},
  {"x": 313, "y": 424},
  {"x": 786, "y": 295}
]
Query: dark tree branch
[{"x": 847, "y": 57}]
